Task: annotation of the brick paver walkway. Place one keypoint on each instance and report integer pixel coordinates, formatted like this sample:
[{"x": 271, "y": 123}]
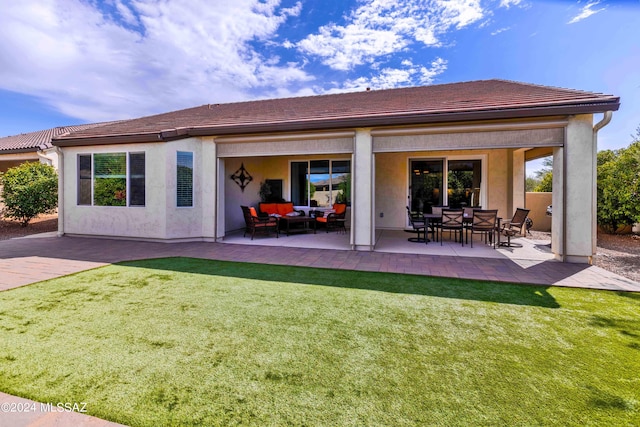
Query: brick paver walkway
[{"x": 25, "y": 261}]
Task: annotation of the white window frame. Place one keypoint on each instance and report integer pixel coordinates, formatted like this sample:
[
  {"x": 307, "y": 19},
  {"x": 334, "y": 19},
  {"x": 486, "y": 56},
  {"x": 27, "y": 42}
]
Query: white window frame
[
  {"x": 331, "y": 160},
  {"x": 127, "y": 178},
  {"x": 193, "y": 175}
]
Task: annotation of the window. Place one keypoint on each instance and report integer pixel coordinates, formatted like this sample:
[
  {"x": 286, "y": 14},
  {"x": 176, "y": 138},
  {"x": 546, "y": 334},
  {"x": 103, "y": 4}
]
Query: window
[
  {"x": 84, "y": 179},
  {"x": 184, "y": 188},
  {"x": 110, "y": 179},
  {"x": 136, "y": 179},
  {"x": 106, "y": 179},
  {"x": 320, "y": 182},
  {"x": 461, "y": 178}
]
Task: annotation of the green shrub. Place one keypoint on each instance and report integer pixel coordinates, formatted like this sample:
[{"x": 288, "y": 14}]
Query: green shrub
[
  {"x": 619, "y": 187},
  {"x": 29, "y": 190}
]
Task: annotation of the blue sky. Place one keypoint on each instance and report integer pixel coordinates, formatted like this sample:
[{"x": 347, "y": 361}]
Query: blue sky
[{"x": 80, "y": 61}]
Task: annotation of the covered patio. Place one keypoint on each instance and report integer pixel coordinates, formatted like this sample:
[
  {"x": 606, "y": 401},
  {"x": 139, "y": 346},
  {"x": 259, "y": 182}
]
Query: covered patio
[{"x": 396, "y": 241}]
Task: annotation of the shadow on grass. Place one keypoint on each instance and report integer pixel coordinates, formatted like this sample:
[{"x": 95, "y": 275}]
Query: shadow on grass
[{"x": 475, "y": 290}]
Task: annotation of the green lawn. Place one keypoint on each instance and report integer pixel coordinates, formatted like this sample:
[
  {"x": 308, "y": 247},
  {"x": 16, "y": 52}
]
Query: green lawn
[{"x": 184, "y": 341}]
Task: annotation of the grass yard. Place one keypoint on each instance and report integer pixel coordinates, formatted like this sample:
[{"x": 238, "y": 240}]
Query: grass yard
[{"x": 183, "y": 341}]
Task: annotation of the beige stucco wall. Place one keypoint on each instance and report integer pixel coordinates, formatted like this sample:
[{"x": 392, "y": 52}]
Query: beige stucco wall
[
  {"x": 145, "y": 222},
  {"x": 11, "y": 160},
  {"x": 537, "y": 204},
  {"x": 392, "y": 183},
  {"x": 160, "y": 218}
]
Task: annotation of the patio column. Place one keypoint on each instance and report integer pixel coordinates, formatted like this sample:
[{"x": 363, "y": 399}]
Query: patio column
[
  {"x": 574, "y": 202},
  {"x": 518, "y": 175},
  {"x": 209, "y": 193},
  {"x": 220, "y": 199},
  {"x": 362, "y": 203}
]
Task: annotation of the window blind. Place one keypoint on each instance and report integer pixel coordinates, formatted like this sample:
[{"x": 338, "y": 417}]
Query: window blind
[{"x": 184, "y": 186}]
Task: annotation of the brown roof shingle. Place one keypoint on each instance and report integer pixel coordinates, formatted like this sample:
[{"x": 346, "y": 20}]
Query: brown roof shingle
[
  {"x": 474, "y": 100},
  {"x": 39, "y": 140}
]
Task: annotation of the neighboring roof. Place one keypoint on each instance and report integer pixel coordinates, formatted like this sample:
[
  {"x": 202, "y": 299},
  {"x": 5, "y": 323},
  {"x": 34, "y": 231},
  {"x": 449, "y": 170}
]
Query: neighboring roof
[
  {"x": 476, "y": 100},
  {"x": 40, "y": 140}
]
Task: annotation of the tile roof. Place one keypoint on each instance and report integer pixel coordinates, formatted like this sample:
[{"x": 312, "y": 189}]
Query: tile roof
[
  {"x": 476, "y": 100},
  {"x": 40, "y": 140}
]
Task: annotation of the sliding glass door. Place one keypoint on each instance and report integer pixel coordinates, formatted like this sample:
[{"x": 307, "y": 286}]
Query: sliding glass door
[
  {"x": 320, "y": 183},
  {"x": 463, "y": 183},
  {"x": 425, "y": 184},
  {"x": 427, "y": 179}
]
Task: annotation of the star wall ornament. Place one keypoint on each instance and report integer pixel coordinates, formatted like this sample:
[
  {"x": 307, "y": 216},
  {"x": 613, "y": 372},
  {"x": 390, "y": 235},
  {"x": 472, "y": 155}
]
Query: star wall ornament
[{"x": 242, "y": 177}]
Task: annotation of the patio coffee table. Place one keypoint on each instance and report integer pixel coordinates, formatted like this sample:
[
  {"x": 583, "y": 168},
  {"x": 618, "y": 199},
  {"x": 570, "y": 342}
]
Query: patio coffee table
[{"x": 306, "y": 221}]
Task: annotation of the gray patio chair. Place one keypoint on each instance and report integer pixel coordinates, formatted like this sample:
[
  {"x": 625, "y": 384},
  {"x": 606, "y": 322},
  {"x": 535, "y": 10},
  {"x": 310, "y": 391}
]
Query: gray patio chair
[{"x": 513, "y": 227}]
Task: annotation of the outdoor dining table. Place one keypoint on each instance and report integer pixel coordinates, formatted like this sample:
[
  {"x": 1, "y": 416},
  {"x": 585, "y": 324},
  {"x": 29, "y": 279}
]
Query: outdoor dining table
[{"x": 430, "y": 217}]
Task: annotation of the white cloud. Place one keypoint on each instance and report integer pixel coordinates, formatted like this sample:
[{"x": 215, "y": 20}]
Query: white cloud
[
  {"x": 509, "y": 3},
  {"x": 383, "y": 27},
  {"x": 500, "y": 30},
  {"x": 180, "y": 53},
  {"x": 111, "y": 59},
  {"x": 586, "y": 12},
  {"x": 396, "y": 77}
]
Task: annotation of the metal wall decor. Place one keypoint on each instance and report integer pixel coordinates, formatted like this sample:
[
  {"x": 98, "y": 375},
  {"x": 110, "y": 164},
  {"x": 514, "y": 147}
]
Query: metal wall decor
[{"x": 242, "y": 177}]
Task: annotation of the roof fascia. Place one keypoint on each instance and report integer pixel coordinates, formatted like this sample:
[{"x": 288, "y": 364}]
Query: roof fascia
[
  {"x": 20, "y": 150},
  {"x": 108, "y": 140},
  {"x": 402, "y": 119},
  {"x": 323, "y": 124}
]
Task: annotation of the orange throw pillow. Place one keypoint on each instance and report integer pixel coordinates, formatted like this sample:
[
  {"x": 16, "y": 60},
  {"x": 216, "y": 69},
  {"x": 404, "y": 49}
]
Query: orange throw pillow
[{"x": 252, "y": 211}]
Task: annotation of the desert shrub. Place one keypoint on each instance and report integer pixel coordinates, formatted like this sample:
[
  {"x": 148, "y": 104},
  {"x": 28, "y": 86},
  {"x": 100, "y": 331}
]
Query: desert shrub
[{"x": 29, "y": 190}]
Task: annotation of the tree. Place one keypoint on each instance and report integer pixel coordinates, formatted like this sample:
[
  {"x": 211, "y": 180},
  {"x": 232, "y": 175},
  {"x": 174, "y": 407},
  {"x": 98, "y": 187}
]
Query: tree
[
  {"x": 545, "y": 176},
  {"x": 531, "y": 183},
  {"x": 545, "y": 184},
  {"x": 29, "y": 190},
  {"x": 619, "y": 186}
]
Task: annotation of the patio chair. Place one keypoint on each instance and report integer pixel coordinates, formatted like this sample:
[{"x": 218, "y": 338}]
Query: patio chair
[
  {"x": 334, "y": 218},
  {"x": 255, "y": 224},
  {"x": 467, "y": 218},
  {"x": 452, "y": 220},
  {"x": 513, "y": 227},
  {"x": 484, "y": 223},
  {"x": 417, "y": 223},
  {"x": 434, "y": 225}
]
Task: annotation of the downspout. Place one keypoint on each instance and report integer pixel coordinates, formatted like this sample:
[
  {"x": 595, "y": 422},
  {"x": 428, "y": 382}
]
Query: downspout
[
  {"x": 564, "y": 197},
  {"x": 60, "y": 154},
  {"x": 602, "y": 123},
  {"x": 42, "y": 155}
]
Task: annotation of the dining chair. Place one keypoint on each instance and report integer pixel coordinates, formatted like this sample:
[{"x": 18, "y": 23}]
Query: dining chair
[
  {"x": 484, "y": 223},
  {"x": 434, "y": 225},
  {"x": 452, "y": 220},
  {"x": 418, "y": 225},
  {"x": 467, "y": 217}
]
